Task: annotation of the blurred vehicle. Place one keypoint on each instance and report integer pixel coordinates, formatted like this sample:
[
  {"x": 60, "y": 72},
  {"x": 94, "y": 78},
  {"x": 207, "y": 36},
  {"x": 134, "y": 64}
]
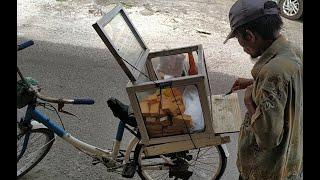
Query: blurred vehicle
[{"x": 291, "y": 9}]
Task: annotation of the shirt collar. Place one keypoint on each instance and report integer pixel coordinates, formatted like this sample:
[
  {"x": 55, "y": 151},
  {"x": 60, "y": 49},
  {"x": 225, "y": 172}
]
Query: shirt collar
[{"x": 268, "y": 54}]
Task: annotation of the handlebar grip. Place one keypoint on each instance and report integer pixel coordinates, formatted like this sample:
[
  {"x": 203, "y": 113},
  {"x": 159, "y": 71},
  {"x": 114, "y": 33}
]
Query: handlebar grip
[
  {"x": 83, "y": 101},
  {"x": 25, "y": 45}
]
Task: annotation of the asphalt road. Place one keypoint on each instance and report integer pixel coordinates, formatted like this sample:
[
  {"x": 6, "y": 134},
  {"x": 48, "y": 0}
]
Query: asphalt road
[
  {"x": 69, "y": 71},
  {"x": 69, "y": 60}
]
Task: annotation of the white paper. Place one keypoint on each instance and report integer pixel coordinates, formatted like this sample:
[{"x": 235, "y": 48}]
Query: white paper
[{"x": 226, "y": 113}]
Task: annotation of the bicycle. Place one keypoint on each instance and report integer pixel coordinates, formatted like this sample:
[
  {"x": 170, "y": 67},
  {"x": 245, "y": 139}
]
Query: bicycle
[{"x": 178, "y": 165}]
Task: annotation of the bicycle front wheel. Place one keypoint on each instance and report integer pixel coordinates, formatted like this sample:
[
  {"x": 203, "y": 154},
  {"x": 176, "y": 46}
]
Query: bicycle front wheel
[
  {"x": 198, "y": 164},
  {"x": 32, "y": 147}
]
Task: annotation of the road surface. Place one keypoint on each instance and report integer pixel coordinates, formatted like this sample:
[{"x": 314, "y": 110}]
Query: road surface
[{"x": 70, "y": 60}]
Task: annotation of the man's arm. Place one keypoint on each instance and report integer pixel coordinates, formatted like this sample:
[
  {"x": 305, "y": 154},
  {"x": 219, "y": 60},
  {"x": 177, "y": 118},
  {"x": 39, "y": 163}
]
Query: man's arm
[
  {"x": 268, "y": 119},
  {"x": 241, "y": 83},
  {"x": 248, "y": 101}
]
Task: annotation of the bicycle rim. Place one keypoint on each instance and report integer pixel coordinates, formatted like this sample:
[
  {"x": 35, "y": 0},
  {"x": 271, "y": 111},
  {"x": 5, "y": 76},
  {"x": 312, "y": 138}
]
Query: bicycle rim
[
  {"x": 206, "y": 163},
  {"x": 38, "y": 145}
]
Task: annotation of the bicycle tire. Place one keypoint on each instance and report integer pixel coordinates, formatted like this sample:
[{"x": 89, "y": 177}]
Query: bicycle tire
[
  {"x": 144, "y": 175},
  {"x": 31, "y": 158}
]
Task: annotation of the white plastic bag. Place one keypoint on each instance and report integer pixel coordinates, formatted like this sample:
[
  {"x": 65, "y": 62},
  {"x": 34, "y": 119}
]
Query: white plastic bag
[{"x": 192, "y": 104}]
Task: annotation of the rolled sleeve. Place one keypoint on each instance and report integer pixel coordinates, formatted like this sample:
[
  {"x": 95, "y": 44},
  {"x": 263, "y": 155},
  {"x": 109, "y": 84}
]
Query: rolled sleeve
[{"x": 268, "y": 120}]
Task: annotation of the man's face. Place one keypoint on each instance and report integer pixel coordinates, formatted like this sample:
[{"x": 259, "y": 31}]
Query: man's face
[{"x": 249, "y": 44}]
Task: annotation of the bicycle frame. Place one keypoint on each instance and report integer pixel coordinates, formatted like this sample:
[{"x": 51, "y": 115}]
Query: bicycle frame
[{"x": 106, "y": 156}]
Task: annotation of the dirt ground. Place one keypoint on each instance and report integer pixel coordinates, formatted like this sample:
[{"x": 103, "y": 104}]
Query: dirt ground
[
  {"x": 69, "y": 49},
  {"x": 162, "y": 24}
]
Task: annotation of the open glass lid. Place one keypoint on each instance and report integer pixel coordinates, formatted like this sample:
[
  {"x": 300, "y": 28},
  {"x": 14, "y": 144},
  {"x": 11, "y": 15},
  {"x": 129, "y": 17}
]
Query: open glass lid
[{"x": 123, "y": 41}]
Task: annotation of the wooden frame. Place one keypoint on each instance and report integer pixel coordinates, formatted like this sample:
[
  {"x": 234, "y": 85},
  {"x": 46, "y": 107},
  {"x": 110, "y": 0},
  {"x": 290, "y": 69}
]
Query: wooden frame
[
  {"x": 197, "y": 80},
  {"x": 99, "y": 27},
  {"x": 197, "y": 48},
  {"x": 184, "y": 145}
]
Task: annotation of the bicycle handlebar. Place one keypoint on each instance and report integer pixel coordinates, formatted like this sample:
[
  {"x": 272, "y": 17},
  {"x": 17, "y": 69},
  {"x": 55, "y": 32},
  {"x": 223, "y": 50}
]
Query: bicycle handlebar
[
  {"x": 65, "y": 101},
  {"x": 83, "y": 101},
  {"x": 24, "y": 45}
]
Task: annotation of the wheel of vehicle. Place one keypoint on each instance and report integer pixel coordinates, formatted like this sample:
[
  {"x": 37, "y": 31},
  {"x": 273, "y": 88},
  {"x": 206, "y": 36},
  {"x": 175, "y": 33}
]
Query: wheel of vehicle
[
  {"x": 32, "y": 147},
  {"x": 291, "y": 9},
  {"x": 204, "y": 163}
]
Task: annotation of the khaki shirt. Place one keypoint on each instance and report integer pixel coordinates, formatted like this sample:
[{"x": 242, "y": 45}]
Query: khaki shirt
[{"x": 270, "y": 143}]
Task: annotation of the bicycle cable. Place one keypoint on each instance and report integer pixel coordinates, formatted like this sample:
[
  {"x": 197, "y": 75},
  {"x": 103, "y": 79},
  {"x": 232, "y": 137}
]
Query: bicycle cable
[
  {"x": 44, "y": 106},
  {"x": 139, "y": 70}
]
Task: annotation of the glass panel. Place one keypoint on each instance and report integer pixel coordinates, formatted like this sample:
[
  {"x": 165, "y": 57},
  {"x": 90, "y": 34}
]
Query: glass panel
[
  {"x": 167, "y": 67},
  {"x": 171, "y": 111},
  {"x": 124, "y": 40}
]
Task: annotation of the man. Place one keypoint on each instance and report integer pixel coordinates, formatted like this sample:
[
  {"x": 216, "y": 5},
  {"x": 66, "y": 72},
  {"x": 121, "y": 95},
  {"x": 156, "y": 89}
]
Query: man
[{"x": 270, "y": 139}]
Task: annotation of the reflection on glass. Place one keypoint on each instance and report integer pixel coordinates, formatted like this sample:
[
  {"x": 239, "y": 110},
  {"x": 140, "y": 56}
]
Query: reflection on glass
[
  {"x": 124, "y": 40},
  {"x": 171, "y": 111}
]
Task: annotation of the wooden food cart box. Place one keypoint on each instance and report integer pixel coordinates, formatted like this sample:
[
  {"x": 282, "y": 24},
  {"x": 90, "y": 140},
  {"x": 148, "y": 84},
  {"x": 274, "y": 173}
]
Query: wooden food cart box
[{"x": 159, "y": 105}]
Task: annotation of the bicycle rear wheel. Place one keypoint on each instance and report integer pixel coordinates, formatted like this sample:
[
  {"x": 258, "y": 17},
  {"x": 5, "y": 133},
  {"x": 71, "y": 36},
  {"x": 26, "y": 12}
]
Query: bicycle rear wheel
[
  {"x": 32, "y": 147},
  {"x": 203, "y": 164}
]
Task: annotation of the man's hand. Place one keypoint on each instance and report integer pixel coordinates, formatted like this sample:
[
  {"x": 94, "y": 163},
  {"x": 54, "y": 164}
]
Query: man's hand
[
  {"x": 241, "y": 83},
  {"x": 251, "y": 106}
]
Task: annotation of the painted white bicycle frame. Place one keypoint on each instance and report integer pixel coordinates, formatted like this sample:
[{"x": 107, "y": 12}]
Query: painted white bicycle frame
[
  {"x": 109, "y": 158},
  {"x": 101, "y": 153},
  {"x": 106, "y": 156}
]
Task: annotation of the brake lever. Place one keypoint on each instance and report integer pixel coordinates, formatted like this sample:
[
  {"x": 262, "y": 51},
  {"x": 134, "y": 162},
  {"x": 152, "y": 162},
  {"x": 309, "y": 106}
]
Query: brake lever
[{"x": 61, "y": 105}]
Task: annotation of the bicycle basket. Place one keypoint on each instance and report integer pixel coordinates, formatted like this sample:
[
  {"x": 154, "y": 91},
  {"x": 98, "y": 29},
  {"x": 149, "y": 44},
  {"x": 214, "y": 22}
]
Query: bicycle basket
[{"x": 23, "y": 95}]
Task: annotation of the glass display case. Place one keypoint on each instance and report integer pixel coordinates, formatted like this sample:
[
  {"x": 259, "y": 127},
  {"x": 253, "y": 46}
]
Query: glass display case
[{"x": 168, "y": 90}]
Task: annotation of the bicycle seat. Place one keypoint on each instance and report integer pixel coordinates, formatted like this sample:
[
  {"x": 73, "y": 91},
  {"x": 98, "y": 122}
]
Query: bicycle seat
[{"x": 120, "y": 111}]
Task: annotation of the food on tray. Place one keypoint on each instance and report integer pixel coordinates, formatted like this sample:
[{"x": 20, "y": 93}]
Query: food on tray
[
  {"x": 168, "y": 102},
  {"x": 183, "y": 120},
  {"x": 145, "y": 110},
  {"x": 164, "y": 112}
]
